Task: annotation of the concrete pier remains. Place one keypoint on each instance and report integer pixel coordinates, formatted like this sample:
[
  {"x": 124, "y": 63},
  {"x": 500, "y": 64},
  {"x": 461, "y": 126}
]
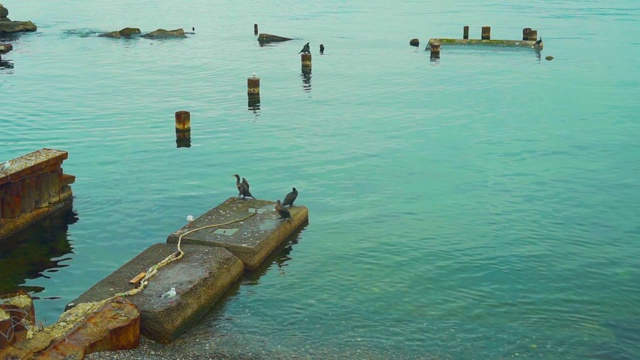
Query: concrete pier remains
[
  {"x": 31, "y": 187},
  {"x": 175, "y": 283}
]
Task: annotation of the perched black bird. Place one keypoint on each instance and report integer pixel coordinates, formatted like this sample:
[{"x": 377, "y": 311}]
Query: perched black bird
[
  {"x": 305, "y": 49},
  {"x": 538, "y": 42},
  {"x": 282, "y": 211},
  {"x": 290, "y": 198},
  {"x": 243, "y": 187},
  {"x": 321, "y": 49}
]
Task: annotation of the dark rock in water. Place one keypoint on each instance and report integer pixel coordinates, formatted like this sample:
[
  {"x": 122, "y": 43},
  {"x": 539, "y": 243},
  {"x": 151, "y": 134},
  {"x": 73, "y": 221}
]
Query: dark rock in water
[
  {"x": 267, "y": 38},
  {"x": 549, "y": 58},
  {"x": 414, "y": 42},
  {"x": 126, "y": 32},
  {"x": 16, "y": 26},
  {"x": 8, "y": 26},
  {"x": 162, "y": 34},
  {"x": 4, "y": 12}
]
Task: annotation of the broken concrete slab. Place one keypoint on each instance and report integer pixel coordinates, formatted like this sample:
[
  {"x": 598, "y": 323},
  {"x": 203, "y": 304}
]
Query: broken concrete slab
[
  {"x": 268, "y": 38},
  {"x": 251, "y": 239},
  {"x": 104, "y": 326},
  {"x": 199, "y": 278},
  {"x": 17, "y": 315}
]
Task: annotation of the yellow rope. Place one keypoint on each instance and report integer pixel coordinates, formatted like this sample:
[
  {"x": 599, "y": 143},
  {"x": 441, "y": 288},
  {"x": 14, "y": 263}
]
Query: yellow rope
[{"x": 173, "y": 257}]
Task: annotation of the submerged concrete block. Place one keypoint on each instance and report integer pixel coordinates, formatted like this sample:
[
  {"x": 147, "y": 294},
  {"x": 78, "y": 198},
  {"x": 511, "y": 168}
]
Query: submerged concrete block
[
  {"x": 199, "y": 278},
  {"x": 251, "y": 239}
]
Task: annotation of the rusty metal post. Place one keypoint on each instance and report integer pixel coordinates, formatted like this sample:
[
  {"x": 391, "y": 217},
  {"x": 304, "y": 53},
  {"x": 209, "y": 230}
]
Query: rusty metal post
[
  {"x": 11, "y": 199},
  {"x": 306, "y": 61},
  {"x": 465, "y": 33},
  {"x": 525, "y": 33},
  {"x": 183, "y": 121},
  {"x": 435, "y": 50},
  {"x": 486, "y": 33},
  {"x": 253, "y": 85}
]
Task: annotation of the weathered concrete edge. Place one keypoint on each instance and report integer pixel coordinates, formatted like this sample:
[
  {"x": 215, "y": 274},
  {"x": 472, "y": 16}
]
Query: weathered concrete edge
[
  {"x": 13, "y": 226},
  {"x": 164, "y": 324},
  {"x": 253, "y": 258},
  {"x": 516, "y": 43},
  {"x": 277, "y": 237},
  {"x": 194, "y": 304}
]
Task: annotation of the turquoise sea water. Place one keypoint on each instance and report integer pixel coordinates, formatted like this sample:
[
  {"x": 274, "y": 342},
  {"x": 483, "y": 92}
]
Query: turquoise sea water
[{"x": 484, "y": 206}]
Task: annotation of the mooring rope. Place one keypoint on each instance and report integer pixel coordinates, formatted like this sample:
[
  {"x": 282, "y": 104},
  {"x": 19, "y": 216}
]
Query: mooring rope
[{"x": 171, "y": 258}]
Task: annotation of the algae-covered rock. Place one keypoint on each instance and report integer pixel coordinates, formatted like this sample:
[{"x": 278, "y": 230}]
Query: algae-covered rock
[
  {"x": 164, "y": 34},
  {"x": 4, "y": 12},
  {"x": 112, "y": 34},
  {"x": 126, "y": 32},
  {"x": 129, "y": 31},
  {"x": 17, "y": 26}
]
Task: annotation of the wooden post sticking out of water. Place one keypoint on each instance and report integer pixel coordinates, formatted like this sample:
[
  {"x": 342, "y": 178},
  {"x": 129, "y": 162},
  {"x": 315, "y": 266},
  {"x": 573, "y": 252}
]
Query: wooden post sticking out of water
[
  {"x": 533, "y": 35},
  {"x": 486, "y": 33},
  {"x": 525, "y": 33},
  {"x": 435, "y": 50},
  {"x": 183, "y": 121},
  {"x": 253, "y": 92},
  {"x": 306, "y": 61},
  {"x": 465, "y": 32},
  {"x": 255, "y": 29},
  {"x": 253, "y": 85}
]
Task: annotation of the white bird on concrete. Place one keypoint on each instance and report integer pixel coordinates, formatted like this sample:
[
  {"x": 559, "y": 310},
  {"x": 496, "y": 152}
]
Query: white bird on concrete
[
  {"x": 169, "y": 294},
  {"x": 5, "y": 166},
  {"x": 190, "y": 218}
]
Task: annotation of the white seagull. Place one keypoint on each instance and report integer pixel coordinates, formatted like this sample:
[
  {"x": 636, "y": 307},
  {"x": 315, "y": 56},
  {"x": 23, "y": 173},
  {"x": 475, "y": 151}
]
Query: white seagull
[
  {"x": 169, "y": 294},
  {"x": 190, "y": 218},
  {"x": 5, "y": 166}
]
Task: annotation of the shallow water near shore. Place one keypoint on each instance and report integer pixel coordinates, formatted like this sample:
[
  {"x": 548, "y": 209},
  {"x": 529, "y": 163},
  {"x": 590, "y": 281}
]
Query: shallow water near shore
[{"x": 482, "y": 206}]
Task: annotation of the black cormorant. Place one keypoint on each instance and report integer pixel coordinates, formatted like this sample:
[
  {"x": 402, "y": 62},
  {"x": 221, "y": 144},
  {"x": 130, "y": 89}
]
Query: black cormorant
[
  {"x": 282, "y": 211},
  {"x": 305, "y": 49},
  {"x": 290, "y": 198}
]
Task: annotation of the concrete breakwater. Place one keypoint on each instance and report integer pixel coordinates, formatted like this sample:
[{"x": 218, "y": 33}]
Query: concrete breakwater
[
  {"x": 163, "y": 290},
  {"x": 196, "y": 265}
]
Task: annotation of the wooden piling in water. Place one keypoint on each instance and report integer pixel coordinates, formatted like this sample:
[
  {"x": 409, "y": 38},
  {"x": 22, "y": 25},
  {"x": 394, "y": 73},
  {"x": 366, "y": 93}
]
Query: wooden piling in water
[
  {"x": 435, "y": 50},
  {"x": 465, "y": 32},
  {"x": 525, "y": 33},
  {"x": 306, "y": 61},
  {"x": 486, "y": 33},
  {"x": 183, "y": 121},
  {"x": 253, "y": 85},
  {"x": 533, "y": 35},
  {"x": 255, "y": 29}
]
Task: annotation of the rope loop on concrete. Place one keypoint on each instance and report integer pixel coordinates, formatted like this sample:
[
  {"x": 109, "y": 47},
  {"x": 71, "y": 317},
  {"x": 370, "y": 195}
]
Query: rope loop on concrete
[{"x": 171, "y": 258}]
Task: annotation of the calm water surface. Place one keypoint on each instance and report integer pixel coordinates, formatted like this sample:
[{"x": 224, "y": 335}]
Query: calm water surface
[{"x": 481, "y": 207}]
